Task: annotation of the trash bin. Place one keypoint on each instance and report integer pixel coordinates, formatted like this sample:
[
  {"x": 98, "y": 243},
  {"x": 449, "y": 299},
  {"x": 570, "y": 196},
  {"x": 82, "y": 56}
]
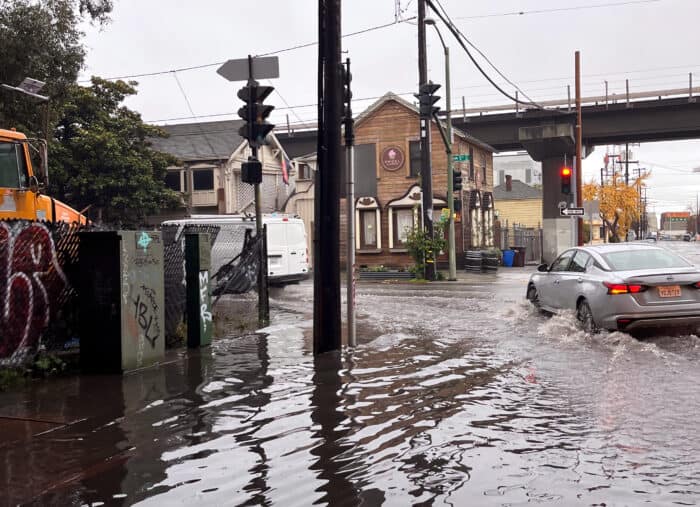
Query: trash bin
[
  {"x": 519, "y": 258},
  {"x": 508, "y": 256}
]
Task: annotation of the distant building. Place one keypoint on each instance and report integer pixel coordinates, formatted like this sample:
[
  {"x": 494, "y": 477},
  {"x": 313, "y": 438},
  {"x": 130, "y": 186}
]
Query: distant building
[
  {"x": 208, "y": 172},
  {"x": 520, "y": 167},
  {"x": 518, "y": 203},
  {"x": 674, "y": 223}
]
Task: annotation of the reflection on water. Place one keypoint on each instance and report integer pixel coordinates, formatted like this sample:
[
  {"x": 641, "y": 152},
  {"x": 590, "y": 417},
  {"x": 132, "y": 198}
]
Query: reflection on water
[{"x": 455, "y": 396}]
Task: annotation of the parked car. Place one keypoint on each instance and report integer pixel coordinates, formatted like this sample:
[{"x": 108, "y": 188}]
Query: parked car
[
  {"x": 687, "y": 236},
  {"x": 287, "y": 252},
  {"x": 625, "y": 287}
]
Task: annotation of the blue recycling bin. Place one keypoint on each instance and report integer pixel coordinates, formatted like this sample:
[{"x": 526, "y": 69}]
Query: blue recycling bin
[{"x": 508, "y": 256}]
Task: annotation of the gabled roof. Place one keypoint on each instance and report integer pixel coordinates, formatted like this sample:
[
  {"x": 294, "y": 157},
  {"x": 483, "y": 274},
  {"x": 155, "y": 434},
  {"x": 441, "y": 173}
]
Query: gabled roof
[
  {"x": 215, "y": 140},
  {"x": 519, "y": 190},
  {"x": 392, "y": 97}
]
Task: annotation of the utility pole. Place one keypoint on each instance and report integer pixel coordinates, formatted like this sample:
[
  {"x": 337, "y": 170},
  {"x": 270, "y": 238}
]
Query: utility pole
[
  {"x": 627, "y": 164},
  {"x": 579, "y": 142},
  {"x": 425, "y": 138},
  {"x": 451, "y": 254},
  {"x": 350, "y": 204},
  {"x": 327, "y": 329}
]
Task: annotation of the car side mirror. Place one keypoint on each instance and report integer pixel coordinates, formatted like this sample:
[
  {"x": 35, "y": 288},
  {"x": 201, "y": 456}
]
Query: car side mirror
[
  {"x": 543, "y": 268},
  {"x": 34, "y": 185}
]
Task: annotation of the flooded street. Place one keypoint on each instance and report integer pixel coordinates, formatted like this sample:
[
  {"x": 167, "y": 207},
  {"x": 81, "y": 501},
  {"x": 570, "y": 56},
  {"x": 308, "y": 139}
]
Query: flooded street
[{"x": 456, "y": 395}]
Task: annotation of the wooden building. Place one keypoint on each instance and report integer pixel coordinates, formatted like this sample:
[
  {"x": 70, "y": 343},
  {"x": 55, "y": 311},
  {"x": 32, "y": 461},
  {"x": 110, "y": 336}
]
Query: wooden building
[{"x": 387, "y": 185}]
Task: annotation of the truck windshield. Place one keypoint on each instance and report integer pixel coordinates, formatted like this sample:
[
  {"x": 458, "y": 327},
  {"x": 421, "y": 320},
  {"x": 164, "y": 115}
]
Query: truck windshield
[{"x": 13, "y": 169}]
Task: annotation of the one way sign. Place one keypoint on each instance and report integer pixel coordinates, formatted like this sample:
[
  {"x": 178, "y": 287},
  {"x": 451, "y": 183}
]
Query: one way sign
[{"x": 572, "y": 212}]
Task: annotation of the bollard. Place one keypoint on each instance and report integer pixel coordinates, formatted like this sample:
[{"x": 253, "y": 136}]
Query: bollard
[{"x": 200, "y": 325}]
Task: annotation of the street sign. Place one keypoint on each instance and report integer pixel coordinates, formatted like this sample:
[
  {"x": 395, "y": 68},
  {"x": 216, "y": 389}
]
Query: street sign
[
  {"x": 240, "y": 69},
  {"x": 572, "y": 212},
  {"x": 461, "y": 157}
]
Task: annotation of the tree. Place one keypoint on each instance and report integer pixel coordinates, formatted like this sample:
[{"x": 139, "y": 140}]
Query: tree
[
  {"x": 619, "y": 203},
  {"x": 42, "y": 39},
  {"x": 101, "y": 157}
]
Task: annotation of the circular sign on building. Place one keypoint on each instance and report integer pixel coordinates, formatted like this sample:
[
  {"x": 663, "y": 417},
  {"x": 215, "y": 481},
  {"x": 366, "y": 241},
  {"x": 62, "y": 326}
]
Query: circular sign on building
[{"x": 392, "y": 158}]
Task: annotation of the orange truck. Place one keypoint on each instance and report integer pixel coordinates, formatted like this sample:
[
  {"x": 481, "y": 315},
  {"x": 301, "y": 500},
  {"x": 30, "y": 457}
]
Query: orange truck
[{"x": 20, "y": 189}]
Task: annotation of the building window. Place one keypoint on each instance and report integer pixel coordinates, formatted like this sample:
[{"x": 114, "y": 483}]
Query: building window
[
  {"x": 368, "y": 229},
  {"x": 203, "y": 179},
  {"x": 304, "y": 171},
  {"x": 403, "y": 223},
  {"x": 414, "y": 154},
  {"x": 172, "y": 181},
  {"x": 501, "y": 177},
  {"x": 528, "y": 176}
]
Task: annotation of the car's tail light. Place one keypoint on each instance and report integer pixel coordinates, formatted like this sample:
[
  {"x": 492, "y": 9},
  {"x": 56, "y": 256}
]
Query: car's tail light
[
  {"x": 696, "y": 285},
  {"x": 623, "y": 288}
]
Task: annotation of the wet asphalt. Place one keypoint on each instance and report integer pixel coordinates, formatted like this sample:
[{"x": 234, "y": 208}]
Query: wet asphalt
[{"x": 457, "y": 394}]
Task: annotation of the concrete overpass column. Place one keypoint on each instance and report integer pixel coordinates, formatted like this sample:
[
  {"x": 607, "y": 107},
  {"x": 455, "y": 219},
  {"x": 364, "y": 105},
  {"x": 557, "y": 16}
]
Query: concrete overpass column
[
  {"x": 558, "y": 232},
  {"x": 553, "y": 145}
]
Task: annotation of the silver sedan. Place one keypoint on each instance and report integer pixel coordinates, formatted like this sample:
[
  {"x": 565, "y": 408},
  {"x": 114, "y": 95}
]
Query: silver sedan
[{"x": 621, "y": 286}]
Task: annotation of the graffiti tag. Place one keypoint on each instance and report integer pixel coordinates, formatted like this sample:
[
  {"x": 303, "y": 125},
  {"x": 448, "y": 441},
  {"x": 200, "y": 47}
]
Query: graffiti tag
[
  {"x": 204, "y": 312},
  {"x": 146, "y": 314},
  {"x": 30, "y": 279}
]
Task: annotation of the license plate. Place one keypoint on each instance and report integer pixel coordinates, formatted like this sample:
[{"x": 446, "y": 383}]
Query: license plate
[{"x": 670, "y": 291}]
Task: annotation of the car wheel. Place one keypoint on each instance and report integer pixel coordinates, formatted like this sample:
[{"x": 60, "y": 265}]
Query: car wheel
[
  {"x": 585, "y": 318},
  {"x": 533, "y": 296}
]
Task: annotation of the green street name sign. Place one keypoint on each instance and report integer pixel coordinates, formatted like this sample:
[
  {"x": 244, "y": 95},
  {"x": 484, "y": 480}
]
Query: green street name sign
[{"x": 462, "y": 157}]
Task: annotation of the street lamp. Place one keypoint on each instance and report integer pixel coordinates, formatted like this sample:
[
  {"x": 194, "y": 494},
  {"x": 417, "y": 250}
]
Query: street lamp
[
  {"x": 31, "y": 87},
  {"x": 450, "y": 200}
]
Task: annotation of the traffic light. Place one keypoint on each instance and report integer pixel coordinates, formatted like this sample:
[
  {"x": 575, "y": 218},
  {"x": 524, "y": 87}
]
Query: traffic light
[
  {"x": 565, "y": 177},
  {"x": 254, "y": 112},
  {"x": 347, "y": 92},
  {"x": 426, "y": 98},
  {"x": 348, "y": 122},
  {"x": 251, "y": 171},
  {"x": 456, "y": 180},
  {"x": 457, "y": 203}
]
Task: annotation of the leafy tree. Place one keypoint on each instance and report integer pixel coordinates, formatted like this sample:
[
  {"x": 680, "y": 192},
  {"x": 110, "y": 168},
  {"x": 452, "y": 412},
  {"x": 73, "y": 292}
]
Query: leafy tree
[
  {"x": 101, "y": 156},
  {"x": 42, "y": 39},
  {"x": 619, "y": 203}
]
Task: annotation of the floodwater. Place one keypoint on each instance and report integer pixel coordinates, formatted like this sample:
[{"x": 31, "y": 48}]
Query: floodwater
[{"x": 456, "y": 395}]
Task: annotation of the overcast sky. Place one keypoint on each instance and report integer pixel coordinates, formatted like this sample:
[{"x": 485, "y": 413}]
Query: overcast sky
[{"x": 654, "y": 44}]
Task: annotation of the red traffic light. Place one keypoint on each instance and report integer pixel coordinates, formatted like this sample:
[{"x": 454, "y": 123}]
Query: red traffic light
[{"x": 566, "y": 171}]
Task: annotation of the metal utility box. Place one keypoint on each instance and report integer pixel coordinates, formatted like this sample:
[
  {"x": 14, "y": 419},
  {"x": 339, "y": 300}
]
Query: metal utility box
[
  {"x": 200, "y": 325},
  {"x": 120, "y": 297}
]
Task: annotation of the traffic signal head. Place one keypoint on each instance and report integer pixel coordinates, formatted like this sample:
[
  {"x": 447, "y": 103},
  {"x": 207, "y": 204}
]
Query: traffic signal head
[
  {"x": 254, "y": 112},
  {"x": 426, "y": 98},
  {"x": 251, "y": 171},
  {"x": 565, "y": 178},
  {"x": 456, "y": 181}
]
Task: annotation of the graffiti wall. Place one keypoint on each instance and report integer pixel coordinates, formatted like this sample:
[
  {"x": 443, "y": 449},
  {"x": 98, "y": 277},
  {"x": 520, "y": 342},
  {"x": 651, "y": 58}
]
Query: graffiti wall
[{"x": 36, "y": 260}]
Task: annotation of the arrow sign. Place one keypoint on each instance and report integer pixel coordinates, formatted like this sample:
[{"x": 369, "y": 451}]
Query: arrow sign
[
  {"x": 240, "y": 69},
  {"x": 572, "y": 212}
]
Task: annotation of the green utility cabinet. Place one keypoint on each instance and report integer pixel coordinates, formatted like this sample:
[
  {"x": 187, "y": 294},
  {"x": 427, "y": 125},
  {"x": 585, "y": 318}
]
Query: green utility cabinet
[
  {"x": 120, "y": 298},
  {"x": 200, "y": 325}
]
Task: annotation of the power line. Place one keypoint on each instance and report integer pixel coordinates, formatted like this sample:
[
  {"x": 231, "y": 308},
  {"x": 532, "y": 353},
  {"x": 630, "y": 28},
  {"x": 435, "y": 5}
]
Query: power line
[
  {"x": 559, "y": 9},
  {"x": 458, "y": 35},
  {"x": 189, "y": 106},
  {"x": 291, "y": 48}
]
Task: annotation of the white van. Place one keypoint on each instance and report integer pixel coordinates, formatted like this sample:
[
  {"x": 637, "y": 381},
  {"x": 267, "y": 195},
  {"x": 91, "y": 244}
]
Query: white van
[{"x": 287, "y": 254}]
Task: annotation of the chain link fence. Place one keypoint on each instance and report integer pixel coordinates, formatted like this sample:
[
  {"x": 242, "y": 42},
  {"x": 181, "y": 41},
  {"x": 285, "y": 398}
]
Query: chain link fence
[
  {"x": 38, "y": 264},
  {"x": 235, "y": 261}
]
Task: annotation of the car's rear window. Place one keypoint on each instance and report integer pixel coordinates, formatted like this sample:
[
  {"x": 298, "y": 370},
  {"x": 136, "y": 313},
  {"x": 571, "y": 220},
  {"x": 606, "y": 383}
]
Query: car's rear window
[{"x": 630, "y": 260}]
